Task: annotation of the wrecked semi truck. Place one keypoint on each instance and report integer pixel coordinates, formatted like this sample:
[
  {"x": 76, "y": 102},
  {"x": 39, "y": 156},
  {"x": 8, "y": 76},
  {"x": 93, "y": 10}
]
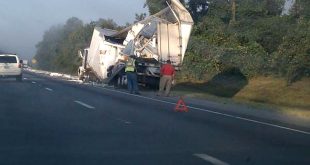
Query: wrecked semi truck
[{"x": 154, "y": 40}]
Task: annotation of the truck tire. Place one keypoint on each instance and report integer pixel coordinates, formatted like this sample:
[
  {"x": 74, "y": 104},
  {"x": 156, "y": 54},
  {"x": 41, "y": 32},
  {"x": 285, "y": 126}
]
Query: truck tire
[
  {"x": 119, "y": 81},
  {"x": 122, "y": 81}
]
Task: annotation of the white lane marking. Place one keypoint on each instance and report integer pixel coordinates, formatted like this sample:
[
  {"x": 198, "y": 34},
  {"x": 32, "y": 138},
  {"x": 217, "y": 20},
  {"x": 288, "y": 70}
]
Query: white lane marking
[
  {"x": 253, "y": 121},
  {"x": 33, "y": 82},
  {"x": 124, "y": 121},
  {"x": 217, "y": 113},
  {"x": 49, "y": 89},
  {"x": 211, "y": 159},
  {"x": 25, "y": 78},
  {"x": 84, "y": 104}
]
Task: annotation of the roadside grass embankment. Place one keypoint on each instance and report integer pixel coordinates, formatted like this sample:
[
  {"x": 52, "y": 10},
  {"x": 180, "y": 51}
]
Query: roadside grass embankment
[{"x": 266, "y": 93}]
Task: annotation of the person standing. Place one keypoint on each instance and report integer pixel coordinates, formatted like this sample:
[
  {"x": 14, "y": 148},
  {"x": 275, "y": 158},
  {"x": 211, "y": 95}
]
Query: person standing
[
  {"x": 167, "y": 74},
  {"x": 131, "y": 72}
]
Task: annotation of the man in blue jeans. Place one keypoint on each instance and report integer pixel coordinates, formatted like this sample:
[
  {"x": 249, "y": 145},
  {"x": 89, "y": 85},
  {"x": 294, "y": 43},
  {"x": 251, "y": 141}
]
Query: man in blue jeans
[{"x": 131, "y": 73}]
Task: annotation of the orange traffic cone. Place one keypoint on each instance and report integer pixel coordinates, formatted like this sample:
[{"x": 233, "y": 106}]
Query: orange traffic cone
[{"x": 181, "y": 106}]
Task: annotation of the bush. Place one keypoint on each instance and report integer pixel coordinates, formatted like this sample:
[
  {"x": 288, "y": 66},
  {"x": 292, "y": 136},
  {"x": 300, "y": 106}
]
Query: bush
[
  {"x": 269, "y": 45},
  {"x": 292, "y": 59}
]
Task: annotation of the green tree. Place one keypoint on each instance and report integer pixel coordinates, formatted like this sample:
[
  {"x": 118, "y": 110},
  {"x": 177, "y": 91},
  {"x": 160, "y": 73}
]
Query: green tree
[
  {"x": 154, "y": 6},
  {"x": 58, "y": 49},
  {"x": 71, "y": 25},
  {"x": 107, "y": 23},
  {"x": 67, "y": 60},
  {"x": 253, "y": 44},
  {"x": 49, "y": 47},
  {"x": 198, "y": 8},
  {"x": 292, "y": 59},
  {"x": 139, "y": 17},
  {"x": 273, "y": 7}
]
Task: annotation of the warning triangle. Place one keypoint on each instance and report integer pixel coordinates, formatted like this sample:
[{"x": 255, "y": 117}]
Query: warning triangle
[{"x": 181, "y": 106}]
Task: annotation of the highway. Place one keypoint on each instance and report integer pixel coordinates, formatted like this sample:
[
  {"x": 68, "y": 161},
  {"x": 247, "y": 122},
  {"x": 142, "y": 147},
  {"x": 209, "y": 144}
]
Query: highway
[{"x": 52, "y": 122}]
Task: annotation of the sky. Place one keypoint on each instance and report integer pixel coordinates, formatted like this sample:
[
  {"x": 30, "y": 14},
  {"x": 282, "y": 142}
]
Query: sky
[
  {"x": 288, "y": 6},
  {"x": 23, "y": 22}
]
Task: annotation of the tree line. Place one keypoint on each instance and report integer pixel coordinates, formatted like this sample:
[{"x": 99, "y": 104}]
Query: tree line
[
  {"x": 58, "y": 49},
  {"x": 250, "y": 35}
]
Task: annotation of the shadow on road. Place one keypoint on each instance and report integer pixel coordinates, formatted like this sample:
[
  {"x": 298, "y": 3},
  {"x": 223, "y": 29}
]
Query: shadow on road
[{"x": 225, "y": 84}]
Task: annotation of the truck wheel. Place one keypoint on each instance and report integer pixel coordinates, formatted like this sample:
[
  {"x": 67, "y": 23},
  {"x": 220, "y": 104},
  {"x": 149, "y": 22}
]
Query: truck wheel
[{"x": 121, "y": 81}]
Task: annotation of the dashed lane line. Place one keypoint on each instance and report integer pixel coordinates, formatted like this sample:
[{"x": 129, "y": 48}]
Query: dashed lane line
[
  {"x": 124, "y": 121},
  {"x": 211, "y": 159},
  {"x": 49, "y": 89},
  {"x": 84, "y": 104}
]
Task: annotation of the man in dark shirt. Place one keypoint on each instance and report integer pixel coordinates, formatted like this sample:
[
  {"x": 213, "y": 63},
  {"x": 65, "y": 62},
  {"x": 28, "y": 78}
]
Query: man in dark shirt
[{"x": 167, "y": 73}]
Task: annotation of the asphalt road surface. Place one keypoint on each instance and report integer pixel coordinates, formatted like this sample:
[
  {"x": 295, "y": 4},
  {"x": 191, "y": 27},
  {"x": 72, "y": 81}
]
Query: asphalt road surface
[{"x": 48, "y": 122}]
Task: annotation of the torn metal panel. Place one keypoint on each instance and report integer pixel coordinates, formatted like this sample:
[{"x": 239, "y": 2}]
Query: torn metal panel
[
  {"x": 163, "y": 36},
  {"x": 149, "y": 30},
  {"x": 129, "y": 50}
]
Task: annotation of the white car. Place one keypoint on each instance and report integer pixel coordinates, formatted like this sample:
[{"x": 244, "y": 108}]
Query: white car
[{"x": 10, "y": 66}]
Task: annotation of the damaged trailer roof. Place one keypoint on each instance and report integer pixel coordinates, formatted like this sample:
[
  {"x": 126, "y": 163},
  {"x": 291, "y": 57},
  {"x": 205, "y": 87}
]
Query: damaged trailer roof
[{"x": 174, "y": 13}]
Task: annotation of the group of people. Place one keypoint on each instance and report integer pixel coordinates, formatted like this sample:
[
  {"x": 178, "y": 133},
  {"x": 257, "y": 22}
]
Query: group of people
[{"x": 167, "y": 75}]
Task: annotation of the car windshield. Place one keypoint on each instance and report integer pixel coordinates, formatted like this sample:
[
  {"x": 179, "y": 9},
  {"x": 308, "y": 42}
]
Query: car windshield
[{"x": 8, "y": 59}]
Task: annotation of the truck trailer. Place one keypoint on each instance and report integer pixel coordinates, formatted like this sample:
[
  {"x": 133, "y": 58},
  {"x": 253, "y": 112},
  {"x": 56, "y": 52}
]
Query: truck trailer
[{"x": 154, "y": 40}]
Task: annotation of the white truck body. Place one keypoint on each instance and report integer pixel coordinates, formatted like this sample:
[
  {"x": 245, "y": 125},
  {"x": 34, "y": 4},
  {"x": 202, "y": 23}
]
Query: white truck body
[
  {"x": 101, "y": 54},
  {"x": 162, "y": 36}
]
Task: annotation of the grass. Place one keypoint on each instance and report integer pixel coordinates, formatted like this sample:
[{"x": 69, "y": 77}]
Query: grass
[
  {"x": 275, "y": 91},
  {"x": 260, "y": 92}
]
